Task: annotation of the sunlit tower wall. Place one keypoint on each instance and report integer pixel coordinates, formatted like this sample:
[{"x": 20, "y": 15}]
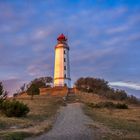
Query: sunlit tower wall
[{"x": 62, "y": 64}]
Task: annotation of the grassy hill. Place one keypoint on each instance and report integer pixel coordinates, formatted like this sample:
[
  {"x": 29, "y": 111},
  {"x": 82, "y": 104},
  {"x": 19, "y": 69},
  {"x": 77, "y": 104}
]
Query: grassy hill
[
  {"x": 109, "y": 123},
  {"x": 112, "y": 123},
  {"x": 39, "y": 119}
]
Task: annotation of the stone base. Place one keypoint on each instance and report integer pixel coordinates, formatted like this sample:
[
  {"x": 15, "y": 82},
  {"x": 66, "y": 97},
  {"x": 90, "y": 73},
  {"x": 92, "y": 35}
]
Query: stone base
[{"x": 62, "y": 91}]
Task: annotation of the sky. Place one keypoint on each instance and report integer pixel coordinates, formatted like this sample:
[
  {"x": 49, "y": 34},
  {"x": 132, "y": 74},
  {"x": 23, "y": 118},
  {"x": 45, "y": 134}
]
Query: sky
[{"x": 103, "y": 36}]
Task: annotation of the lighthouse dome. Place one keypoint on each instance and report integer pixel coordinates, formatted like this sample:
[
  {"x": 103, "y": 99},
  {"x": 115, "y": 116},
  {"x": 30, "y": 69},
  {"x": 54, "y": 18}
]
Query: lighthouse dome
[{"x": 61, "y": 38}]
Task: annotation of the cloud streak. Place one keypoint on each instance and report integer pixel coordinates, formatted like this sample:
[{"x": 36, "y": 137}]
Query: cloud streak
[{"x": 131, "y": 85}]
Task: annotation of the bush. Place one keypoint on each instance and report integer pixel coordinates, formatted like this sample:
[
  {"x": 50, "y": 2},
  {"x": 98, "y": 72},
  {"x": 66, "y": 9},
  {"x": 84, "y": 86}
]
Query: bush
[
  {"x": 121, "y": 106},
  {"x": 133, "y": 100},
  {"x": 92, "y": 105},
  {"x": 108, "y": 105},
  {"x": 105, "y": 105},
  {"x": 90, "y": 84},
  {"x": 1, "y": 88},
  {"x": 14, "y": 108},
  {"x": 102, "y": 105},
  {"x": 102, "y": 88},
  {"x": 16, "y": 135},
  {"x": 1, "y": 101}
]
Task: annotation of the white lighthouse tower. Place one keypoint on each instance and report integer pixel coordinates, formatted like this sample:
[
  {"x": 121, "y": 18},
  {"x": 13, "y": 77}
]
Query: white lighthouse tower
[{"x": 62, "y": 66}]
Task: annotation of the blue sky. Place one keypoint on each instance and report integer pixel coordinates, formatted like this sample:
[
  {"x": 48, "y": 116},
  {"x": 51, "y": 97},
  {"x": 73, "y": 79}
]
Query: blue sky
[{"x": 103, "y": 35}]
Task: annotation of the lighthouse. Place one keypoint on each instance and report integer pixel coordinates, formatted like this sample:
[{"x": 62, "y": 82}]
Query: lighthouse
[{"x": 62, "y": 64}]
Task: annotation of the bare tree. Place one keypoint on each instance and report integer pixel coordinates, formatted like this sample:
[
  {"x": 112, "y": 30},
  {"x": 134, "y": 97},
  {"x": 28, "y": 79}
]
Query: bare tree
[{"x": 23, "y": 88}]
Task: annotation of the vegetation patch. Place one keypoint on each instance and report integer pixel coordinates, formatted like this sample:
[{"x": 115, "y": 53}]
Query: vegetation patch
[
  {"x": 108, "y": 105},
  {"x": 121, "y": 106},
  {"x": 107, "y": 118},
  {"x": 111, "y": 123},
  {"x": 102, "y": 88},
  {"x": 37, "y": 121},
  {"x": 13, "y": 108},
  {"x": 15, "y": 135}
]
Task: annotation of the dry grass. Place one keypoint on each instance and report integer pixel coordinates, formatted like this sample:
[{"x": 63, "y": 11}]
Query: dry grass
[
  {"x": 108, "y": 123},
  {"x": 112, "y": 123},
  {"x": 38, "y": 120}
]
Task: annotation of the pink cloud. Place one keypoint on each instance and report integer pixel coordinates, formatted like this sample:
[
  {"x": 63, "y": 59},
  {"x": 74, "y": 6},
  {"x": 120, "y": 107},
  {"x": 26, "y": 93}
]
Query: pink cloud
[{"x": 12, "y": 85}]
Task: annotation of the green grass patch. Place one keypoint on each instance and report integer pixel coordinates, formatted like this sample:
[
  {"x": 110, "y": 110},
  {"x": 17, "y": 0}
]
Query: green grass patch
[{"x": 15, "y": 135}]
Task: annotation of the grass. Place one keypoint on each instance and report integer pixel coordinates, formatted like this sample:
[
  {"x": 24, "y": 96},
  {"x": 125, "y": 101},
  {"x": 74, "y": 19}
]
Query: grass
[
  {"x": 112, "y": 123},
  {"x": 38, "y": 120},
  {"x": 15, "y": 135},
  {"x": 109, "y": 118},
  {"x": 108, "y": 123}
]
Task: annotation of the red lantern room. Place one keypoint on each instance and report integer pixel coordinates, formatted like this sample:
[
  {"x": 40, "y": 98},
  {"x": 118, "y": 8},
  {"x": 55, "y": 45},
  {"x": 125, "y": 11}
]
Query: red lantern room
[{"x": 61, "y": 38}]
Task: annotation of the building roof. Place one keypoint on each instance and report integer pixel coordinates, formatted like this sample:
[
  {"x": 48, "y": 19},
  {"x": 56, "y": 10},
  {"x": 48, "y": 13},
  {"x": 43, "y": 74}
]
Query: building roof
[{"x": 61, "y": 37}]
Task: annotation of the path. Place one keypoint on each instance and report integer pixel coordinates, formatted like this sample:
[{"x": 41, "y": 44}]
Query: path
[{"x": 71, "y": 124}]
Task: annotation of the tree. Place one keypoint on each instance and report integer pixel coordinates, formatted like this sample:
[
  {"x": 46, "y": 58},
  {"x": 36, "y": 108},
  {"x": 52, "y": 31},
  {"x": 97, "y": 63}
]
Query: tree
[
  {"x": 23, "y": 88},
  {"x": 100, "y": 87},
  {"x": 33, "y": 88},
  {"x": 3, "y": 93},
  {"x": 90, "y": 84},
  {"x": 47, "y": 80},
  {"x": 1, "y": 89}
]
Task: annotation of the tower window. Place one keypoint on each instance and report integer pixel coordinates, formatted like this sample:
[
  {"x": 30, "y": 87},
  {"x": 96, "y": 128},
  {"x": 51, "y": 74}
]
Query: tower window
[
  {"x": 64, "y": 52},
  {"x": 65, "y": 76},
  {"x": 64, "y": 59},
  {"x": 64, "y": 67}
]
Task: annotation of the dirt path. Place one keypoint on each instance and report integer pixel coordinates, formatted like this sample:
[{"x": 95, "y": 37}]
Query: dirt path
[{"x": 71, "y": 124}]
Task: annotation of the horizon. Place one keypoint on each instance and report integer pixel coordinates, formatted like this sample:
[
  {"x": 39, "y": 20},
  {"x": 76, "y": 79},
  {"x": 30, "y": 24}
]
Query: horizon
[{"x": 104, "y": 40}]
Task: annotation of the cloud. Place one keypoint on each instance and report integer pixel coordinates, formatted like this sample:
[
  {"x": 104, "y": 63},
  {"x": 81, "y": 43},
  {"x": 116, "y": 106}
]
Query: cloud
[
  {"x": 6, "y": 11},
  {"x": 35, "y": 70},
  {"x": 12, "y": 85},
  {"x": 131, "y": 85},
  {"x": 40, "y": 34},
  {"x": 118, "y": 29},
  {"x": 39, "y": 68},
  {"x": 104, "y": 41}
]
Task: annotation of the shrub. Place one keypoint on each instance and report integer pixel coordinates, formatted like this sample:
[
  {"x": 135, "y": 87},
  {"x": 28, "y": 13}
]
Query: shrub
[
  {"x": 102, "y": 88},
  {"x": 1, "y": 101},
  {"x": 108, "y": 105},
  {"x": 16, "y": 135},
  {"x": 1, "y": 88},
  {"x": 121, "y": 94},
  {"x": 105, "y": 104},
  {"x": 90, "y": 84},
  {"x": 102, "y": 105},
  {"x": 121, "y": 106},
  {"x": 14, "y": 108},
  {"x": 133, "y": 100},
  {"x": 114, "y": 94},
  {"x": 92, "y": 105}
]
